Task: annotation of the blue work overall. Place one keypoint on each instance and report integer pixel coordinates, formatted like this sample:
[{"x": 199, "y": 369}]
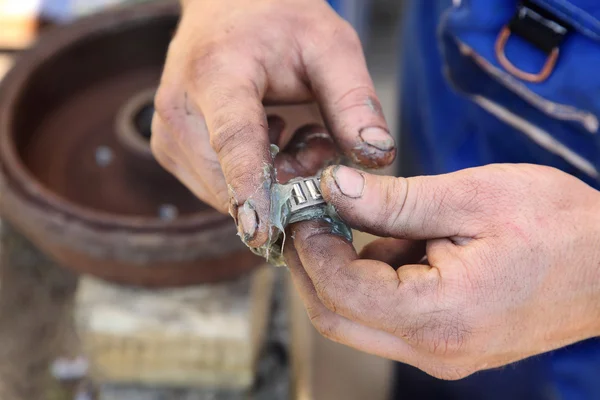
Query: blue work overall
[{"x": 473, "y": 93}]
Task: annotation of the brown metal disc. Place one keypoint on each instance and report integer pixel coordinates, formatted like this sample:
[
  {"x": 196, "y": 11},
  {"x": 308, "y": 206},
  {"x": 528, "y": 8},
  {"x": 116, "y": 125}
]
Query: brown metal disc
[{"x": 82, "y": 190}]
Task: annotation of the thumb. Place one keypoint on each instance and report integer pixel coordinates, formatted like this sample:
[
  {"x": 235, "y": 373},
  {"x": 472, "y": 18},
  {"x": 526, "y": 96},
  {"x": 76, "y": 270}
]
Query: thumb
[{"x": 424, "y": 207}]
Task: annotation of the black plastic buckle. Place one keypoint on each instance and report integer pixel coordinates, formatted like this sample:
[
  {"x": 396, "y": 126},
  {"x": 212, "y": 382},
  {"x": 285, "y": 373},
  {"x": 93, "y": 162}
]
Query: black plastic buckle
[{"x": 539, "y": 27}]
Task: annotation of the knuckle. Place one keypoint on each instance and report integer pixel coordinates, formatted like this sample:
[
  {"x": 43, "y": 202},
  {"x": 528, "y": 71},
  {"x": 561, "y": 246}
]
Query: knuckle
[
  {"x": 395, "y": 195},
  {"x": 220, "y": 64},
  {"x": 209, "y": 58},
  {"x": 226, "y": 134},
  {"x": 169, "y": 106},
  {"x": 229, "y": 130},
  {"x": 242, "y": 172},
  {"x": 166, "y": 104},
  {"x": 346, "y": 36},
  {"x": 164, "y": 98},
  {"x": 358, "y": 97},
  {"x": 332, "y": 36},
  {"x": 239, "y": 150}
]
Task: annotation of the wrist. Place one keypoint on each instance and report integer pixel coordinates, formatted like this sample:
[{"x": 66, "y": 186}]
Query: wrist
[{"x": 590, "y": 261}]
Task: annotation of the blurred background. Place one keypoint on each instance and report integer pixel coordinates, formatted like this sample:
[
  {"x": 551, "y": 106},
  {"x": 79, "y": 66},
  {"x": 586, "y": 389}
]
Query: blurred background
[{"x": 74, "y": 333}]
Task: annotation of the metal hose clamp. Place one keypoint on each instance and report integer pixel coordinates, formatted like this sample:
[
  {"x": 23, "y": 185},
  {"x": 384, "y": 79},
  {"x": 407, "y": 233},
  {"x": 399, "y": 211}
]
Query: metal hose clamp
[{"x": 298, "y": 200}]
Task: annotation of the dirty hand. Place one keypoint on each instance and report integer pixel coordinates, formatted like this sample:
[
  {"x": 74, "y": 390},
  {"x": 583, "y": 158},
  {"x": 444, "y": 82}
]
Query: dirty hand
[
  {"x": 512, "y": 266},
  {"x": 230, "y": 56}
]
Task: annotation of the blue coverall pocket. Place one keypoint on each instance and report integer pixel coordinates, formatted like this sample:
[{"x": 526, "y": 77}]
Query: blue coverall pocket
[{"x": 535, "y": 64}]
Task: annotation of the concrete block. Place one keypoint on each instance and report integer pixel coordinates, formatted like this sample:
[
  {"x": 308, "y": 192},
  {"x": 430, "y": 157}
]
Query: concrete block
[{"x": 206, "y": 336}]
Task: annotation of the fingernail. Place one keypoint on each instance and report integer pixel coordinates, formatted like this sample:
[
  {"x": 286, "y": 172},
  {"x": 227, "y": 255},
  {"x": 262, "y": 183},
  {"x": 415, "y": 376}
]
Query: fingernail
[
  {"x": 318, "y": 135},
  {"x": 378, "y": 138},
  {"x": 350, "y": 182},
  {"x": 247, "y": 221},
  {"x": 312, "y": 137}
]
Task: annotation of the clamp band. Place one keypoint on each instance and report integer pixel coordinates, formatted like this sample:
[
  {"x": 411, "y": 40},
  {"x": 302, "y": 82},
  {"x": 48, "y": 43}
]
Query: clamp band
[{"x": 298, "y": 200}]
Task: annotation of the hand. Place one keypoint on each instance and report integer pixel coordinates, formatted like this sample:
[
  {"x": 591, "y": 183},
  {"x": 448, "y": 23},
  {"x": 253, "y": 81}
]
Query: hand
[
  {"x": 512, "y": 266},
  {"x": 230, "y": 56}
]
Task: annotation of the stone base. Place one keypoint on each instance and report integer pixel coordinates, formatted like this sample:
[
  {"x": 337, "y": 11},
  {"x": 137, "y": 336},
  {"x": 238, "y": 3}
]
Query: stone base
[
  {"x": 207, "y": 336},
  {"x": 272, "y": 372}
]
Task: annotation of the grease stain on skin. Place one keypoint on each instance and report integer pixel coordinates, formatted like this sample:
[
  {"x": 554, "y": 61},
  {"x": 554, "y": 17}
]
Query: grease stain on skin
[
  {"x": 274, "y": 149},
  {"x": 268, "y": 175},
  {"x": 371, "y": 104},
  {"x": 374, "y": 106}
]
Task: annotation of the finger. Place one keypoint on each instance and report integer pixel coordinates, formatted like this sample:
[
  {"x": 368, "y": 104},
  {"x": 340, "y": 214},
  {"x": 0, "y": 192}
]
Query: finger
[
  {"x": 365, "y": 291},
  {"x": 169, "y": 155},
  {"x": 312, "y": 147},
  {"x": 185, "y": 135},
  {"x": 344, "y": 286},
  {"x": 311, "y": 150},
  {"x": 417, "y": 208},
  {"x": 340, "y": 329},
  {"x": 230, "y": 98},
  {"x": 395, "y": 252},
  {"x": 181, "y": 123},
  {"x": 346, "y": 95}
]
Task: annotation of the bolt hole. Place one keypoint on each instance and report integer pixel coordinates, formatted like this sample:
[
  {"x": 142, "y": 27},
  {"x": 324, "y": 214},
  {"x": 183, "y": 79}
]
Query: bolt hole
[
  {"x": 168, "y": 212},
  {"x": 143, "y": 121},
  {"x": 104, "y": 156}
]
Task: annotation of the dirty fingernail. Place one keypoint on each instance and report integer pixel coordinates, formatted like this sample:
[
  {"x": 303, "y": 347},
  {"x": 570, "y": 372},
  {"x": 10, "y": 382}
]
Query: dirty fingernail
[
  {"x": 247, "y": 221},
  {"x": 313, "y": 138},
  {"x": 318, "y": 135},
  {"x": 378, "y": 138},
  {"x": 350, "y": 182}
]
